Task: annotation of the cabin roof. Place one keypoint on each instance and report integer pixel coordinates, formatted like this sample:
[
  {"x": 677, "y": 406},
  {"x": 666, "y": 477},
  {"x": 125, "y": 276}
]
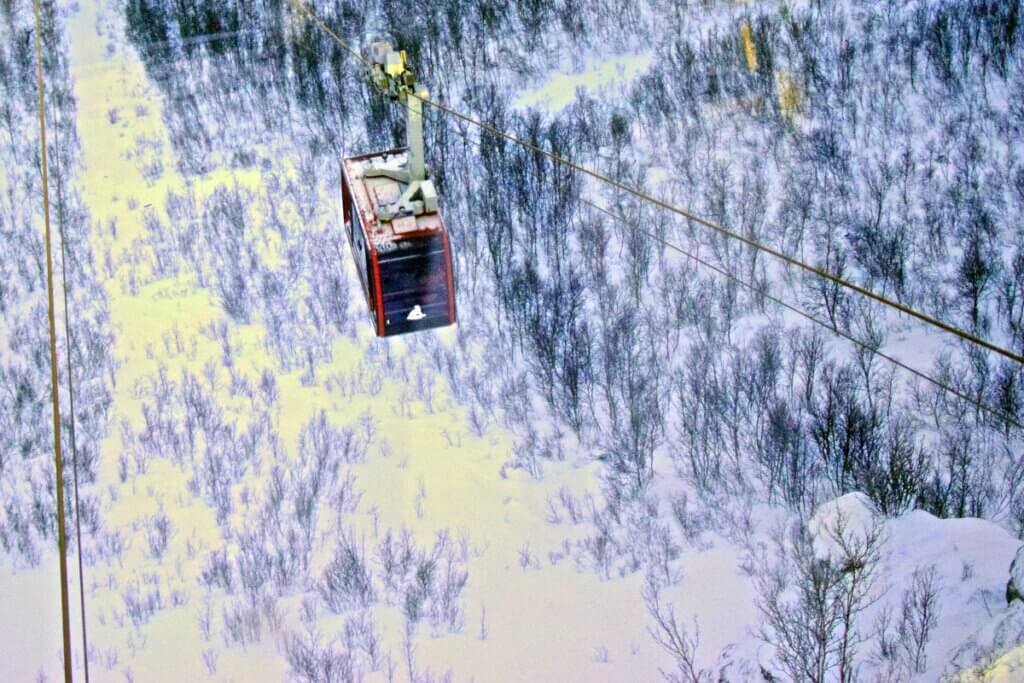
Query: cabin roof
[{"x": 369, "y": 193}]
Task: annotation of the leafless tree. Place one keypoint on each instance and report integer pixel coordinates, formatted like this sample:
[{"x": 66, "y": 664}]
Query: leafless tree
[
  {"x": 674, "y": 638},
  {"x": 811, "y": 603}
]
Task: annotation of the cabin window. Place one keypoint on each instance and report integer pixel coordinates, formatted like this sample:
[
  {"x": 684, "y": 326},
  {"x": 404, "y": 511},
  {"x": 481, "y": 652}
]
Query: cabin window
[
  {"x": 362, "y": 255},
  {"x": 346, "y": 204},
  {"x": 415, "y": 276}
]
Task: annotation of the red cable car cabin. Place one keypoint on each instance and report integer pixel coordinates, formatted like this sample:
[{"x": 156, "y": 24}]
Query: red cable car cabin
[{"x": 405, "y": 263}]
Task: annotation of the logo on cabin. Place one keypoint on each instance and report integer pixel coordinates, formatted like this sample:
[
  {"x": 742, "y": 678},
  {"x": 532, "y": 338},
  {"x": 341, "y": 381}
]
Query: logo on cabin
[{"x": 416, "y": 313}]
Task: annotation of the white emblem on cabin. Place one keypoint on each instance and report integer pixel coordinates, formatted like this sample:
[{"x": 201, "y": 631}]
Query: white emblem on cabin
[
  {"x": 384, "y": 245},
  {"x": 416, "y": 313}
]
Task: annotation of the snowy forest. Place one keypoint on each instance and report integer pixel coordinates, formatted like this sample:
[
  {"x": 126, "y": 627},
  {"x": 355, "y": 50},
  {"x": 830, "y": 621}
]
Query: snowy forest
[{"x": 647, "y": 451}]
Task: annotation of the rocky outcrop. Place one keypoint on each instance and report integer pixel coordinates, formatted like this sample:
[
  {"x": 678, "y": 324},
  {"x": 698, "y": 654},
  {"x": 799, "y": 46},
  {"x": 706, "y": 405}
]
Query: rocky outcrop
[{"x": 1015, "y": 586}]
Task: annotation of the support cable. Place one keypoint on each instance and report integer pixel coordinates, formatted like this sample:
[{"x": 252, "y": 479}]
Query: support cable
[
  {"x": 814, "y": 319},
  {"x": 71, "y": 402},
  {"x": 303, "y": 8},
  {"x": 54, "y": 388},
  {"x": 1008, "y": 419},
  {"x": 771, "y": 251}
]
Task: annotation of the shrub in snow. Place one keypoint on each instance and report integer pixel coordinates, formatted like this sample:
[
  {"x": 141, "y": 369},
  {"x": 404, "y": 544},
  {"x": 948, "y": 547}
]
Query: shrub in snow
[
  {"x": 158, "y": 535},
  {"x": 630, "y": 383},
  {"x": 1015, "y": 586},
  {"x": 693, "y": 520},
  {"x": 346, "y": 581},
  {"x": 361, "y": 634},
  {"x": 395, "y": 557},
  {"x": 242, "y": 625},
  {"x": 674, "y": 638},
  {"x": 901, "y": 637},
  {"x": 217, "y": 572},
  {"x": 312, "y": 661},
  {"x": 427, "y": 583},
  {"x": 628, "y": 534},
  {"x": 919, "y": 617},
  {"x": 140, "y": 605}
]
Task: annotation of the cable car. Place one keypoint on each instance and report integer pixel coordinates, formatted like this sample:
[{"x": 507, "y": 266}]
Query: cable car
[{"x": 393, "y": 221}]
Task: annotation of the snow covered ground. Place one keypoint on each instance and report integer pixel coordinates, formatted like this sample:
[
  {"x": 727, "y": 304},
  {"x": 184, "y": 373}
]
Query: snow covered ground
[
  {"x": 416, "y": 458},
  {"x": 597, "y": 78}
]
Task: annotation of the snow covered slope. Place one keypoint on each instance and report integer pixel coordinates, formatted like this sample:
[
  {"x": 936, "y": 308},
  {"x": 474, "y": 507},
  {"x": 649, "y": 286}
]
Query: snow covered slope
[{"x": 617, "y": 468}]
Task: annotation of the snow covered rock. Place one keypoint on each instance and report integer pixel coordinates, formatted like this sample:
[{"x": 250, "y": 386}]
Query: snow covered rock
[
  {"x": 993, "y": 654},
  {"x": 1008, "y": 668},
  {"x": 849, "y": 521},
  {"x": 1015, "y": 586}
]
